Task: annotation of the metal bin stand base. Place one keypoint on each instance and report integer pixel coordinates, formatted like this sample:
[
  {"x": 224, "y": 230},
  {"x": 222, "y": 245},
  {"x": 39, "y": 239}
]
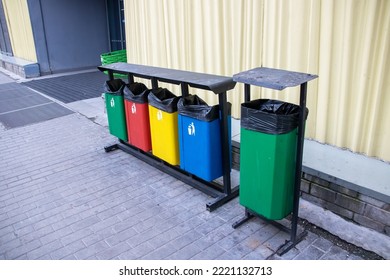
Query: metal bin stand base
[
  {"x": 288, "y": 245},
  {"x": 212, "y": 189}
]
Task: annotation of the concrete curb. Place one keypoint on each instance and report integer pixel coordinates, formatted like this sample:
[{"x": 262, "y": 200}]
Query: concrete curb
[{"x": 352, "y": 233}]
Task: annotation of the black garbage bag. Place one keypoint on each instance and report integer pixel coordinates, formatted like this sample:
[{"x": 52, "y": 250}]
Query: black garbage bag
[
  {"x": 270, "y": 116},
  {"x": 195, "y": 107},
  {"x": 163, "y": 99},
  {"x": 114, "y": 86},
  {"x": 136, "y": 92}
]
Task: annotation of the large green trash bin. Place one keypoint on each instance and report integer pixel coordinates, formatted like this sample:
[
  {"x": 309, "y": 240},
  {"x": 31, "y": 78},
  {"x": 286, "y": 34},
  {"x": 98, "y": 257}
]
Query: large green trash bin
[
  {"x": 267, "y": 157},
  {"x": 115, "y": 108}
]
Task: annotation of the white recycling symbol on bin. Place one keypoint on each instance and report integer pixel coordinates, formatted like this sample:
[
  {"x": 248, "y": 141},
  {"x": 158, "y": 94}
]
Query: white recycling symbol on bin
[
  {"x": 159, "y": 115},
  {"x": 191, "y": 129},
  {"x": 133, "y": 108},
  {"x": 112, "y": 102}
]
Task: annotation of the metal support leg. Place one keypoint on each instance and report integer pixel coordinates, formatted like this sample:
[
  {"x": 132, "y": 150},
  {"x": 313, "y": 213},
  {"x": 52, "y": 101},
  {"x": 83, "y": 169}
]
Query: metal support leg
[
  {"x": 247, "y": 92},
  {"x": 288, "y": 245},
  {"x": 298, "y": 164},
  {"x": 154, "y": 83},
  {"x": 111, "y": 148},
  {"x": 294, "y": 237},
  {"x": 225, "y": 143},
  {"x": 130, "y": 78},
  {"x": 228, "y": 192},
  {"x": 247, "y": 217},
  {"x": 222, "y": 199},
  {"x": 184, "y": 90},
  {"x": 110, "y": 75}
]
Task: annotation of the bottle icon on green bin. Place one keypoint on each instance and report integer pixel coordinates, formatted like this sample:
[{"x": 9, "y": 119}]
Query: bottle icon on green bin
[{"x": 112, "y": 102}]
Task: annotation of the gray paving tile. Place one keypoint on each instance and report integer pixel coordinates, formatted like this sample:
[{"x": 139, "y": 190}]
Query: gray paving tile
[
  {"x": 184, "y": 240},
  {"x": 260, "y": 253},
  {"x": 23, "y": 249},
  {"x": 232, "y": 240},
  {"x": 323, "y": 244},
  {"x": 92, "y": 250},
  {"x": 212, "y": 252},
  {"x": 277, "y": 240},
  {"x": 85, "y": 223},
  {"x": 212, "y": 224},
  {"x": 112, "y": 252},
  {"x": 123, "y": 236},
  {"x": 78, "y": 235},
  {"x": 10, "y": 242},
  {"x": 141, "y": 250},
  {"x": 101, "y": 235},
  {"x": 163, "y": 238},
  {"x": 335, "y": 253},
  {"x": 310, "y": 253},
  {"x": 160, "y": 253},
  {"x": 44, "y": 250},
  {"x": 185, "y": 253},
  {"x": 67, "y": 250}
]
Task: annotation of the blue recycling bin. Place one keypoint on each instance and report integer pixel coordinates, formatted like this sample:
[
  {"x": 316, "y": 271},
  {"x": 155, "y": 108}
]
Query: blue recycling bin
[{"x": 199, "y": 130}]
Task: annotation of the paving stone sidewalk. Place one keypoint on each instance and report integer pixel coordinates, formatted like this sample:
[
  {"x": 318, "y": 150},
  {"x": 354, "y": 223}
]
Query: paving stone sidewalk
[{"x": 63, "y": 197}]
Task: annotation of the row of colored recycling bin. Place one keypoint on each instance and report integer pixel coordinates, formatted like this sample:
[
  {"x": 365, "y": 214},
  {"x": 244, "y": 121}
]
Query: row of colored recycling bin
[
  {"x": 185, "y": 131},
  {"x": 181, "y": 131}
]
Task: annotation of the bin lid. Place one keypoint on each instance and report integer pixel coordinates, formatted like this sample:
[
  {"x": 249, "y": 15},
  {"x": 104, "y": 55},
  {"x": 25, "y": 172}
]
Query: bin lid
[
  {"x": 163, "y": 99},
  {"x": 195, "y": 107},
  {"x": 272, "y": 78},
  {"x": 114, "y": 87},
  {"x": 136, "y": 92},
  {"x": 270, "y": 116}
]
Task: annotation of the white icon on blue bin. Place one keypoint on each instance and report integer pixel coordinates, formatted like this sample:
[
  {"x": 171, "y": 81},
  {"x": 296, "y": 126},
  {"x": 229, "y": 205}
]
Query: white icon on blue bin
[{"x": 191, "y": 129}]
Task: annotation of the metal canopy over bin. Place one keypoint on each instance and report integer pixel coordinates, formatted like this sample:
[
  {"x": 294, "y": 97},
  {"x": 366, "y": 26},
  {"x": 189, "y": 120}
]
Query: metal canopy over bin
[
  {"x": 218, "y": 85},
  {"x": 280, "y": 79}
]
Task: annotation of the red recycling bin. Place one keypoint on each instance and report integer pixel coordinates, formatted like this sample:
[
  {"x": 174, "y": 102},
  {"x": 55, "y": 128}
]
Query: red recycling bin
[{"x": 137, "y": 116}]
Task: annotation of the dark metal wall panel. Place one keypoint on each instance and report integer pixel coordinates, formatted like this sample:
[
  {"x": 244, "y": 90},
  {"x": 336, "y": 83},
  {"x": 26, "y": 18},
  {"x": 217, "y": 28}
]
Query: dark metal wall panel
[
  {"x": 5, "y": 43},
  {"x": 70, "y": 34}
]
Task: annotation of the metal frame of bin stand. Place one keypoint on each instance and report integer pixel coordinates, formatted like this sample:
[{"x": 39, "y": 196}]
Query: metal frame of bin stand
[
  {"x": 280, "y": 79},
  {"x": 218, "y": 85}
]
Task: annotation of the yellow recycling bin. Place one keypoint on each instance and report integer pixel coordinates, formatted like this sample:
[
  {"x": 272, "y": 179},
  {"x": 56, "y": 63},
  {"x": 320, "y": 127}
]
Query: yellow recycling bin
[{"x": 164, "y": 125}]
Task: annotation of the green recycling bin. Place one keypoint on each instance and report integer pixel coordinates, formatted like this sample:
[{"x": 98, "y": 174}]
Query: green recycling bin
[
  {"x": 267, "y": 157},
  {"x": 115, "y": 108}
]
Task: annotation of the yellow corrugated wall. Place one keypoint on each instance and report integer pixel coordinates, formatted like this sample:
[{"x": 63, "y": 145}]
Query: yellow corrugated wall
[
  {"x": 19, "y": 27},
  {"x": 201, "y": 36},
  {"x": 345, "y": 42}
]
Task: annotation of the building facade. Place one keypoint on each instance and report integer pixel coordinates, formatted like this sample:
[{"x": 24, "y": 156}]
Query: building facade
[{"x": 49, "y": 36}]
